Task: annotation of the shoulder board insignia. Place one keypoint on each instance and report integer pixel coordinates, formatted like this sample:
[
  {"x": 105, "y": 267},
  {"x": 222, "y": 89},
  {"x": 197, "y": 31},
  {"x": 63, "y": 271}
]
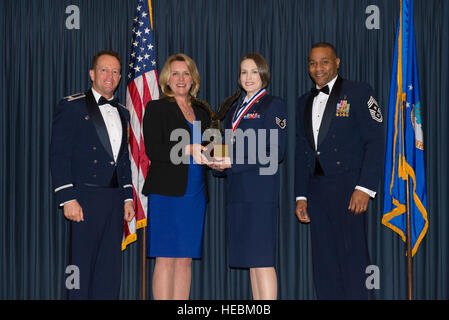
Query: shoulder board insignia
[{"x": 75, "y": 96}]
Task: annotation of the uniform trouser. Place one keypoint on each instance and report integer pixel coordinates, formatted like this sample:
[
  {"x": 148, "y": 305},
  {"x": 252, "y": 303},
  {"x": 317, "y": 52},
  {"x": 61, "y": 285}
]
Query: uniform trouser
[
  {"x": 95, "y": 246},
  {"x": 339, "y": 247}
]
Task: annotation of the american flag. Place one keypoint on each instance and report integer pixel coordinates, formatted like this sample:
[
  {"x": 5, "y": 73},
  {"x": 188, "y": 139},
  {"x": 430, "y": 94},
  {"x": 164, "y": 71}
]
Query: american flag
[{"x": 142, "y": 86}]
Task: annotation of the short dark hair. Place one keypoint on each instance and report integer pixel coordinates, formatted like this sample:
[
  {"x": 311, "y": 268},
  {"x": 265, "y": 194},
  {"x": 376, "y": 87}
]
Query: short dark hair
[
  {"x": 102, "y": 53},
  {"x": 262, "y": 66},
  {"x": 325, "y": 45}
]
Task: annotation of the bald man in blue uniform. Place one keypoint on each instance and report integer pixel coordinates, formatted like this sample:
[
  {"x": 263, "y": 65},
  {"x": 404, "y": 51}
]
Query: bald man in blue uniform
[
  {"x": 338, "y": 164},
  {"x": 91, "y": 176}
]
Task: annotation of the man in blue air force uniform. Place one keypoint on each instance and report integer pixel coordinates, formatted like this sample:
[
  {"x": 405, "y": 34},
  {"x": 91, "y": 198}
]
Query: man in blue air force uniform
[
  {"x": 338, "y": 164},
  {"x": 91, "y": 175}
]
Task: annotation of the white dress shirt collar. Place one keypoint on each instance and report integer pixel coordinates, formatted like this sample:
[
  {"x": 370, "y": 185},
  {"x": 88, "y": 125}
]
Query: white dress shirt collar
[{"x": 97, "y": 96}]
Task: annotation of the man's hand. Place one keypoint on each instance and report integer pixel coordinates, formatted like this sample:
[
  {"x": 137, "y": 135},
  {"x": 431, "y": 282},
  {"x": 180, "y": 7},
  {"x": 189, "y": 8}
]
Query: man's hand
[
  {"x": 301, "y": 211},
  {"x": 128, "y": 210},
  {"x": 73, "y": 211},
  {"x": 359, "y": 202}
]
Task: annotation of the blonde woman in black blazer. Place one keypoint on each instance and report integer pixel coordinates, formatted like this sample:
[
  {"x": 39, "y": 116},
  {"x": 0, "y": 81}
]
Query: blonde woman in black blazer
[{"x": 176, "y": 191}]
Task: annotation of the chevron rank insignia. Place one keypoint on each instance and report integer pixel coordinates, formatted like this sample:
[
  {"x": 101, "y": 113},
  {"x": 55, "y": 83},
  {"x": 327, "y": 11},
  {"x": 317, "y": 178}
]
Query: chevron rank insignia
[
  {"x": 281, "y": 123},
  {"x": 374, "y": 110}
]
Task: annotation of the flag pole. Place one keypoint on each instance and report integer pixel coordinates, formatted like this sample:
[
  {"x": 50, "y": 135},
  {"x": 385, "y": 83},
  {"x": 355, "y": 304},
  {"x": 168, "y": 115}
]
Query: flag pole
[
  {"x": 142, "y": 87},
  {"x": 408, "y": 228},
  {"x": 409, "y": 244},
  {"x": 144, "y": 263}
]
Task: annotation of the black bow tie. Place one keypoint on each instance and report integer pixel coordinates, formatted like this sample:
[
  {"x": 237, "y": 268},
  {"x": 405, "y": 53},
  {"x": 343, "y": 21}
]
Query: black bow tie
[
  {"x": 113, "y": 102},
  {"x": 324, "y": 89}
]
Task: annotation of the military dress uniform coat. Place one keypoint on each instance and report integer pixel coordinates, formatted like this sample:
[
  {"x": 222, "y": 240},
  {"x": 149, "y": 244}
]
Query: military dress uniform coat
[
  {"x": 349, "y": 153},
  {"x": 253, "y": 197},
  {"x": 83, "y": 169}
]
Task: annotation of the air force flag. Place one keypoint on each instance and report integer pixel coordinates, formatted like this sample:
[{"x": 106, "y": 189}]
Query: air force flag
[{"x": 405, "y": 146}]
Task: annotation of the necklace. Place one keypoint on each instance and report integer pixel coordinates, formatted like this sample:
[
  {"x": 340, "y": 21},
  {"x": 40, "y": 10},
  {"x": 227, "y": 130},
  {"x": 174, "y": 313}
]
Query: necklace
[{"x": 185, "y": 111}]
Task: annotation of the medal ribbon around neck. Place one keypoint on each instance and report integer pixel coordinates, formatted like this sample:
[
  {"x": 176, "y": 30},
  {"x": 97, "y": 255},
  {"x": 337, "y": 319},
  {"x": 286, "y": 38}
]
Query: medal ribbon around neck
[{"x": 236, "y": 118}]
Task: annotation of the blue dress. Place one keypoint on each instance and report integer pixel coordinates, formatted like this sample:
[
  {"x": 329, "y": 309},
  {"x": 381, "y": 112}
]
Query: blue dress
[{"x": 176, "y": 223}]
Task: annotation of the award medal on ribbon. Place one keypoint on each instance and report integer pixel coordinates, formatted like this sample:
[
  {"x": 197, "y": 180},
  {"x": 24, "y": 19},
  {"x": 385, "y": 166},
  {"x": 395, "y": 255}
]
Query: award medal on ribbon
[
  {"x": 343, "y": 108},
  {"x": 239, "y": 115}
]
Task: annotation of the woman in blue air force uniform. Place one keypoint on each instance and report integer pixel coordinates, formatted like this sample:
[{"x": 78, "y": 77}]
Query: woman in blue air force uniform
[{"x": 252, "y": 184}]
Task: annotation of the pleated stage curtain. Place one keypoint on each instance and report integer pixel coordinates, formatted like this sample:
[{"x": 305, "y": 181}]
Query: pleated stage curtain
[{"x": 43, "y": 61}]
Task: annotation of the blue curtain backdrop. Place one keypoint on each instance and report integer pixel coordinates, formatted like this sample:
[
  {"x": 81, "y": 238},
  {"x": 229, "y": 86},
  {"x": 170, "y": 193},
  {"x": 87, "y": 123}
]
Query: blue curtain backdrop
[{"x": 43, "y": 61}]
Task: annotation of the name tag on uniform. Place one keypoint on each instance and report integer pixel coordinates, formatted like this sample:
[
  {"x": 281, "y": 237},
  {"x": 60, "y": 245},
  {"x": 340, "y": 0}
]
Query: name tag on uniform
[
  {"x": 251, "y": 116},
  {"x": 343, "y": 108}
]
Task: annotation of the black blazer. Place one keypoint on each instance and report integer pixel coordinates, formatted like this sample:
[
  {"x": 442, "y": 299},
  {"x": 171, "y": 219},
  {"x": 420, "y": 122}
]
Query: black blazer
[{"x": 161, "y": 118}]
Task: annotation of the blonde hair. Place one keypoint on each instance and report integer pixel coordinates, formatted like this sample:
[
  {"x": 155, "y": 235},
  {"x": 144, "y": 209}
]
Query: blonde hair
[{"x": 166, "y": 71}]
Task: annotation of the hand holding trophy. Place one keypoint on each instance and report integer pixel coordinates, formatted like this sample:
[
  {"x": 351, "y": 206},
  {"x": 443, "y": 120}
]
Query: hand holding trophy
[{"x": 217, "y": 152}]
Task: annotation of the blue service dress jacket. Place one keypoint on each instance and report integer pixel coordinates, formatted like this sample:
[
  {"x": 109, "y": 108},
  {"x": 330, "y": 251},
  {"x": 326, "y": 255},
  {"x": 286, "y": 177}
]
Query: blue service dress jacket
[
  {"x": 350, "y": 136},
  {"x": 80, "y": 151},
  {"x": 249, "y": 177}
]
